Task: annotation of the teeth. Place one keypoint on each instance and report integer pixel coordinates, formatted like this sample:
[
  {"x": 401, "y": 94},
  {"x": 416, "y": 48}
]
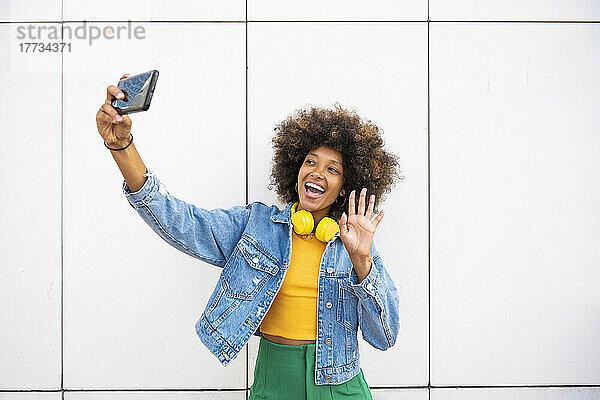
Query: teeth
[{"x": 312, "y": 185}]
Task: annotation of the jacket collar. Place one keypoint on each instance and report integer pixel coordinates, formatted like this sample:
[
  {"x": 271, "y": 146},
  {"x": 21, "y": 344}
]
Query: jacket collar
[{"x": 283, "y": 216}]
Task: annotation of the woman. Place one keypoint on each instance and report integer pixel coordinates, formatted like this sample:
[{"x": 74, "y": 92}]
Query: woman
[{"x": 293, "y": 277}]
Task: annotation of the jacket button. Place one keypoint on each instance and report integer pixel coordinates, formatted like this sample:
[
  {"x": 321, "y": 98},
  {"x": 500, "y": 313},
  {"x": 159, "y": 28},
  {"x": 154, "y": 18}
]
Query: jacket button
[
  {"x": 328, "y": 340},
  {"x": 328, "y": 378},
  {"x": 330, "y": 270},
  {"x": 328, "y": 304},
  {"x": 255, "y": 260}
]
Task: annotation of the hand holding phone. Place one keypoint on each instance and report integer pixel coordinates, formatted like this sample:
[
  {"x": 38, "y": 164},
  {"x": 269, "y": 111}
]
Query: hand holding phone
[
  {"x": 114, "y": 128},
  {"x": 138, "y": 90}
]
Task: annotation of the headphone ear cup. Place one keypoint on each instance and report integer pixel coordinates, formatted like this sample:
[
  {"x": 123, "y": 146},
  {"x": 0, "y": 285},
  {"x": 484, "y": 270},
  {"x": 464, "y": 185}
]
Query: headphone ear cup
[
  {"x": 326, "y": 229},
  {"x": 303, "y": 221}
]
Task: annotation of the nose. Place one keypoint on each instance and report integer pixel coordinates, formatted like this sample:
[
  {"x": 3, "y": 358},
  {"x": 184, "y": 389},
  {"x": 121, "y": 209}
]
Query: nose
[{"x": 317, "y": 174}]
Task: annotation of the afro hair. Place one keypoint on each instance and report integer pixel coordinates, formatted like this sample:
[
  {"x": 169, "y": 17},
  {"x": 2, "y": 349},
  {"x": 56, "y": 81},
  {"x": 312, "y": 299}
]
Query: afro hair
[{"x": 365, "y": 162}]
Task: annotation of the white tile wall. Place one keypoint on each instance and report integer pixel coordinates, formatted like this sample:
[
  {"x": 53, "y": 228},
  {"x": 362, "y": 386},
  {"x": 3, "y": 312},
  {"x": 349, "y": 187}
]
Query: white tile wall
[
  {"x": 158, "y": 395},
  {"x": 514, "y": 204},
  {"x": 404, "y": 394},
  {"x": 154, "y": 10},
  {"x": 131, "y": 300},
  {"x": 386, "y": 82},
  {"x": 30, "y": 396},
  {"x": 30, "y": 10},
  {"x": 509, "y": 169},
  {"x": 337, "y": 10},
  {"x": 570, "y": 393},
  {"x": 514, "y": 10},
  {"x": 30, "y": 238}
]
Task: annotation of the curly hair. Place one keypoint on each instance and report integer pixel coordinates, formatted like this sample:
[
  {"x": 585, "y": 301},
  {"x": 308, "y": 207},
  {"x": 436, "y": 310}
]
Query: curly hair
[{"x": 365, "y": 162}]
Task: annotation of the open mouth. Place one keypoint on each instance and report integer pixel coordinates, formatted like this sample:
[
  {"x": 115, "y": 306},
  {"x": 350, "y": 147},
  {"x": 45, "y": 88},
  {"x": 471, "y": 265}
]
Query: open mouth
[{"x": 313, "y": 191}]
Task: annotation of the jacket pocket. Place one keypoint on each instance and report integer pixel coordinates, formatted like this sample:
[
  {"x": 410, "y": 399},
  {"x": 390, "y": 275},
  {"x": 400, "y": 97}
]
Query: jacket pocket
[
  {"x": 347, "y": 310},
  {"x": 248, "y": 270},
  {"x": 220, "y": 306}
]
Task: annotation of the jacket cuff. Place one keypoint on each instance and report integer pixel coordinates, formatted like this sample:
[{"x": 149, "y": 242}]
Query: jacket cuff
[
  {"x": 368, "y": 286},
  {"x": 145, "y": 193}
]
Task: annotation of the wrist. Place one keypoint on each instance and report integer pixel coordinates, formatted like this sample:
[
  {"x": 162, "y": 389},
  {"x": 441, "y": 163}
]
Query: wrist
[
  {"x": 119, "y": 143},
  {"x": 361, "y": 260},
  {"x": 362, "y": 266}
]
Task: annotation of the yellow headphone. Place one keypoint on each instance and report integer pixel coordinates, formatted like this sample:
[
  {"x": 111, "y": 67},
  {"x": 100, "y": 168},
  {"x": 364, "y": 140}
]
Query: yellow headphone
[{"x": 304, "y": 223}]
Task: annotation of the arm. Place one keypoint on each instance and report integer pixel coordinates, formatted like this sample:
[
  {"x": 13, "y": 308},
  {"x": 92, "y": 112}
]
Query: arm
[
  {"x": 378, "y": 299},
  {"x": 378, "y": 304},
  {"x": 130, "y": 163},
  {"x": 115, "y": 130},
  {"x": 209, "y": 235}
]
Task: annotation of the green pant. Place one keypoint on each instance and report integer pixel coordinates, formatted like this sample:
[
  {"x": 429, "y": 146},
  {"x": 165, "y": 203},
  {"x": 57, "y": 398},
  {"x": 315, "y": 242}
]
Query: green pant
[{"x": 287, "y": 372}]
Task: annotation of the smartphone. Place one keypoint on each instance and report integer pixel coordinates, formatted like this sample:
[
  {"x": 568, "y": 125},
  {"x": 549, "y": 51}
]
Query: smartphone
[{"x": 138, "y": 90}]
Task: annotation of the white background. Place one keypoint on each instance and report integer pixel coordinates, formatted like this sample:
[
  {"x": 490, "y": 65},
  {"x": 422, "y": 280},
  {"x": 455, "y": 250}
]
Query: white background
[{"x": 491, "y": 237}]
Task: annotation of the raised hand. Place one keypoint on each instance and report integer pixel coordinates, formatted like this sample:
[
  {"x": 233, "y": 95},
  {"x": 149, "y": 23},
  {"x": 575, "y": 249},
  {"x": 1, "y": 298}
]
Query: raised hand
[
  {"x": 113, "y": 128},
  {"x": 357, "y": 230}
]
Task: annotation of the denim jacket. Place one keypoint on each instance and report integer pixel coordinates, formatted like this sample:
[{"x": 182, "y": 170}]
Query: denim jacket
[{"x": 252, "y": 245}]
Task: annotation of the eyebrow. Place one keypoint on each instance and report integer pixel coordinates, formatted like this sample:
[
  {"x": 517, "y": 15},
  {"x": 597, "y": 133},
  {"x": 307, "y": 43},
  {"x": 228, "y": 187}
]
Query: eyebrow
[{"x": 334, "y": 161}]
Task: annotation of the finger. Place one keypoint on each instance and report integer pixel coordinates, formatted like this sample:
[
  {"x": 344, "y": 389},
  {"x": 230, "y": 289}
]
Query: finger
[
  {"x": 343, "y": 221},
  {"x": 113, "y": 92},
  {"x": 101, "y": 116},
  {"x": 124, "y": 76},
  {"x": 362, "y": 201},
  {"x": 378, "y": 218},
  {"x": 351, "y": 209},
  {"x": 126, "y": 120},
  {"x": 112, "y": 113},
  {"x": 369, "y": 213}
]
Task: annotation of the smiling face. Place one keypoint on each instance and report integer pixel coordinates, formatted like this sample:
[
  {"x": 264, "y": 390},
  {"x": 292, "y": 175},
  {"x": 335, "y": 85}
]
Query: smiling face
[{"x": 321, "y": 167}]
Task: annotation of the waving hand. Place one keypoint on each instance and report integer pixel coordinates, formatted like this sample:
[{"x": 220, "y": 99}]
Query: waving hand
[{"x": 357, "y": 229}]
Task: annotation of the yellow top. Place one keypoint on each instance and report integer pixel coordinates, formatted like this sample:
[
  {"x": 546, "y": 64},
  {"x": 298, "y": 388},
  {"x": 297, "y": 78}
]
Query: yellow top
[{"x": 293, "y": 313}]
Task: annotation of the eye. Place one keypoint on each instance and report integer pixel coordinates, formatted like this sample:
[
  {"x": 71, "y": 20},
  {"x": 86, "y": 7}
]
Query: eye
[
  {"x": 309, "y": 161},
  {"x": 334, "y": 170}
]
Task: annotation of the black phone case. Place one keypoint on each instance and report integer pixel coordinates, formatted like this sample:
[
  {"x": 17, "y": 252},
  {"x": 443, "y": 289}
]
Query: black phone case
[{"x": 138, "y": 90}]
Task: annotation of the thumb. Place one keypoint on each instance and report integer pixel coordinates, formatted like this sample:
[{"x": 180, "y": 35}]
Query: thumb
[{"x": 126, "y": 120}]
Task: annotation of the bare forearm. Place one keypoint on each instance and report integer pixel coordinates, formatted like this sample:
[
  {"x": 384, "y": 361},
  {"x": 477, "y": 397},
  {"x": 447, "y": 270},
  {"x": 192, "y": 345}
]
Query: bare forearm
[
  {"x": 131, "y": 165},
  {"x": 362, "y": 267}
]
